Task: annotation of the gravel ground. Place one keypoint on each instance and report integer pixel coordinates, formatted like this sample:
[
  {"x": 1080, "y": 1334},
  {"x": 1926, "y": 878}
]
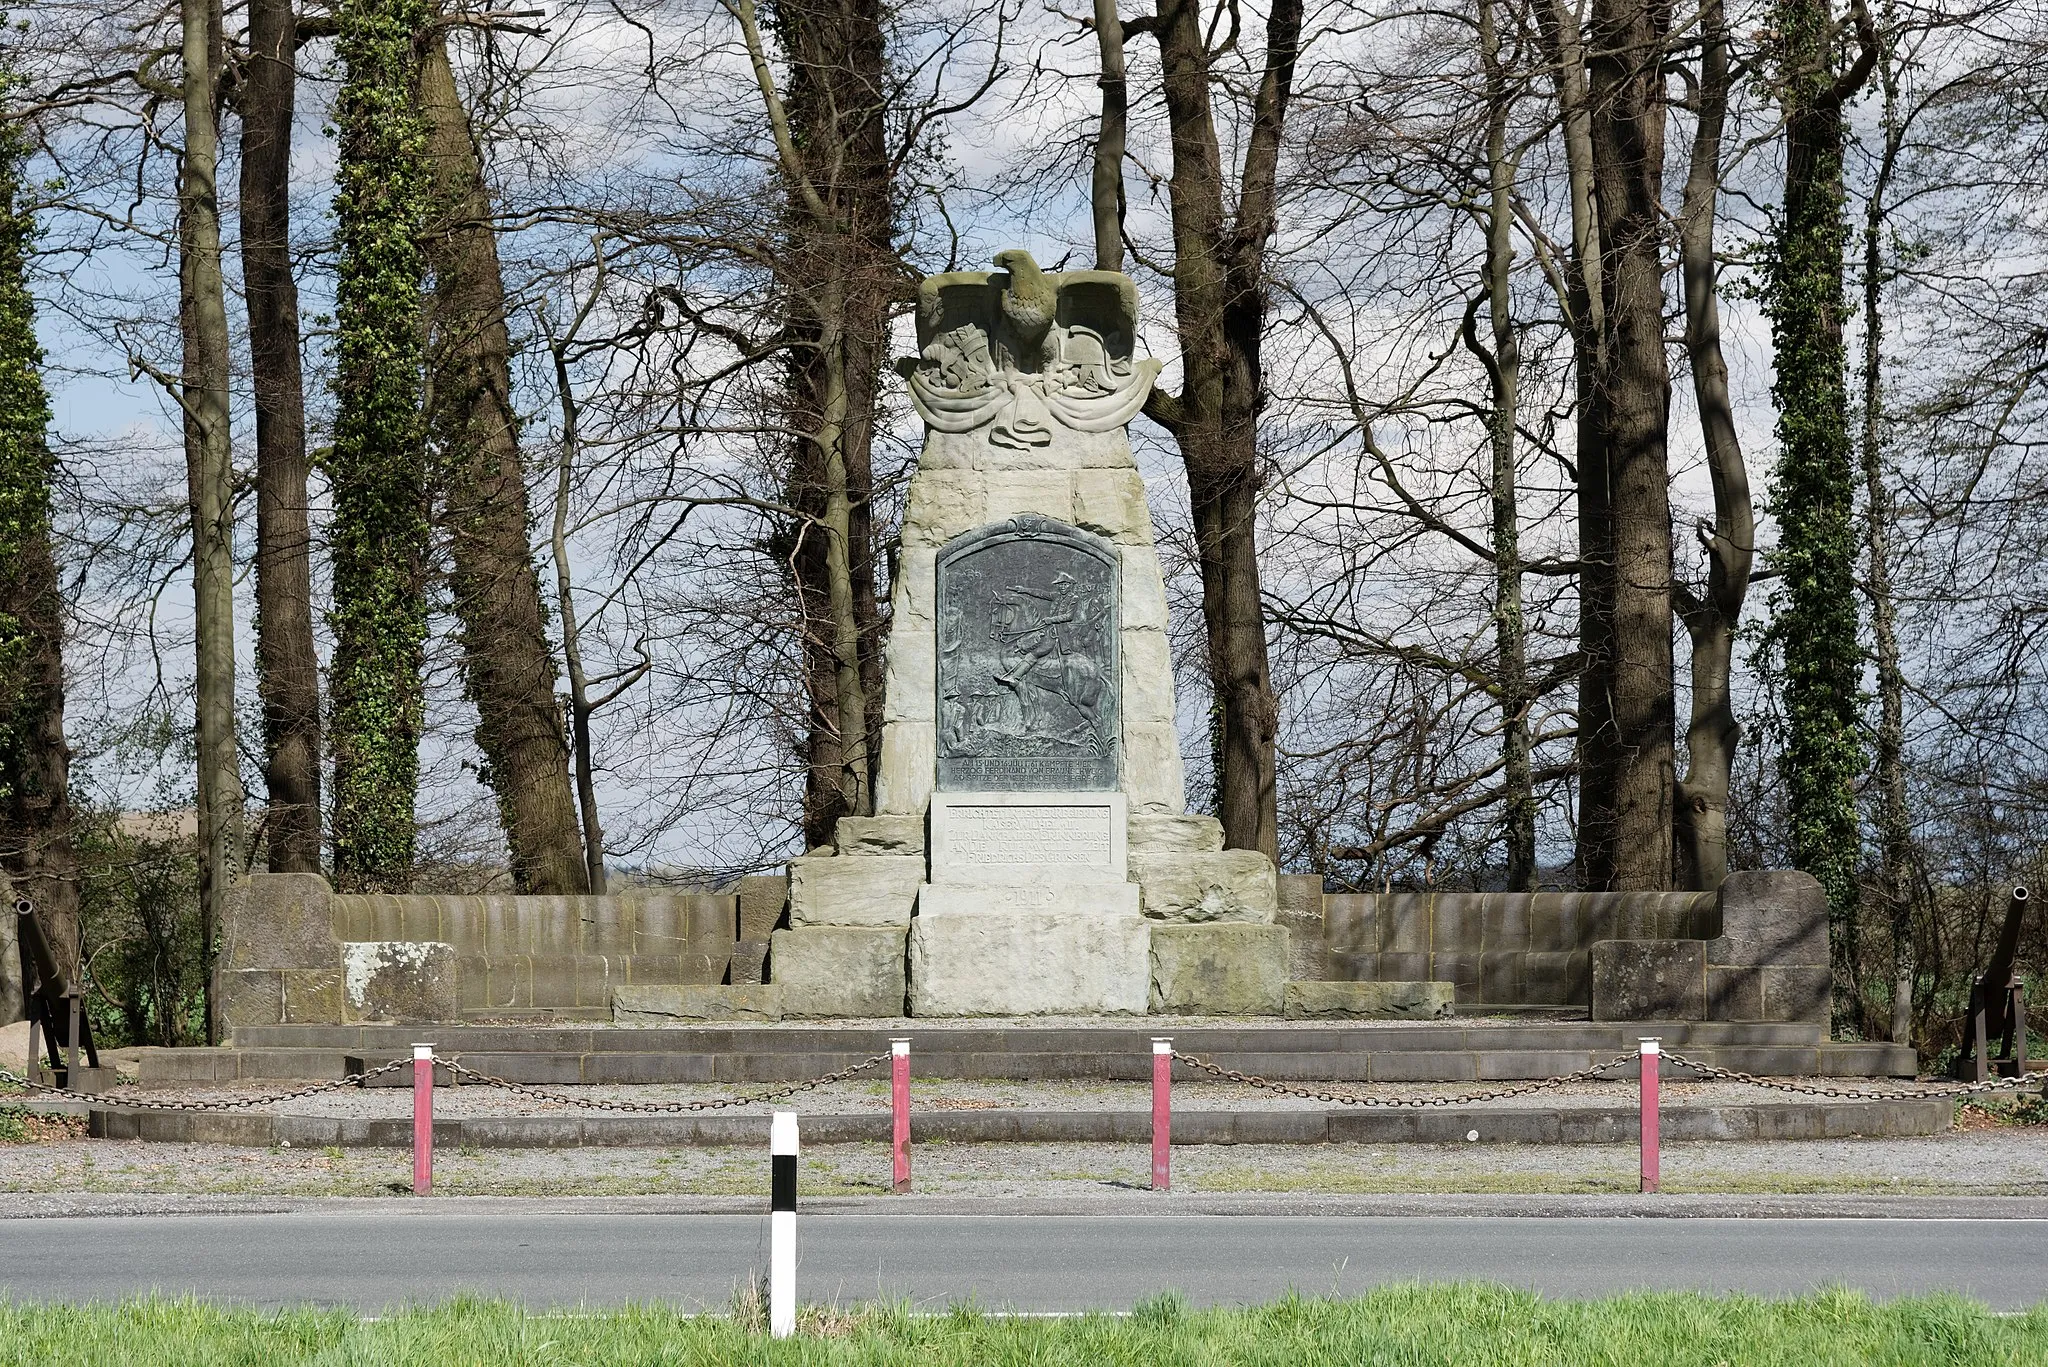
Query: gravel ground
[
  {"x": 871, "y": 1095},
  {"x": 2005, "y": 1161}
]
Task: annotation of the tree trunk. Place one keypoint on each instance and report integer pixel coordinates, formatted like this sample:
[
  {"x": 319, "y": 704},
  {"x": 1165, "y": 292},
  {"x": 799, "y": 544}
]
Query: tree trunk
[
  {"x": 1585, "y": 308},
  {"x": 1701, "y": 811},
  {"x": 1814, "y": 484},
  {"x": 1220, "y": 315},
  {"x": 36, "y": 853},
  {"x": 377, "y": 470},
  {"x": 580, "y": 708},
  {"x": 1631, "y": 494},
  {"x": 508, "y": 664},
  {"x": 287, "y": 667},
  {"x": 1106, "y": 185},
  {"x": 209, "y": 472},
  {"x": 838, "y": 277},
  {"x": 1894, "y": 822},
  {"x": 1504, "y": 371}
]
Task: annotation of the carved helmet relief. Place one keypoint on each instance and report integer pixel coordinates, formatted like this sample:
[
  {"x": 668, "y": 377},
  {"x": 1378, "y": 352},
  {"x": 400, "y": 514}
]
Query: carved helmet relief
[
  {"x": 1027, "y": 659},
  {"x": 1021, "y": 352}
]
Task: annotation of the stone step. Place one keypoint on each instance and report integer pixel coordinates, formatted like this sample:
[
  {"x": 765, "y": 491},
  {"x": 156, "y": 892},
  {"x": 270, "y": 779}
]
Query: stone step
[
  {"x": 942, "y": 1037},
  {"x": 1584, "y": 1124},
  {"x": 1269, "y": 1058}
]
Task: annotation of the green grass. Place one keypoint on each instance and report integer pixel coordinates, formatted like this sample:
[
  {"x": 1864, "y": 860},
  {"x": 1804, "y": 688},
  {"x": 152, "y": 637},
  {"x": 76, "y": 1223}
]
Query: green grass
[{"x": 1442, "y": 1326}]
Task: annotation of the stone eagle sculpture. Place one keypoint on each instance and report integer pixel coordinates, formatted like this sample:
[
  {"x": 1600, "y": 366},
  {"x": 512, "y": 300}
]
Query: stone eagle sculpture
[{"x": 1020, "y": 352}]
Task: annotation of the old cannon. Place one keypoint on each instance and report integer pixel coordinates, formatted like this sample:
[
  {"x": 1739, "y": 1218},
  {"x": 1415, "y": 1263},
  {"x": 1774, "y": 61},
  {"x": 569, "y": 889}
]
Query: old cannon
[
  {"x": 56, "y": 1008},
  {"x": 1998, "y": 1007}
]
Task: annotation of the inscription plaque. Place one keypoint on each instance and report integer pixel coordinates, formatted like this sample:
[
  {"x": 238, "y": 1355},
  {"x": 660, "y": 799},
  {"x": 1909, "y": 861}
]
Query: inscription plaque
[
  {"x": 1029, "y": 835},
  {"x": 1027, "y": 659}
]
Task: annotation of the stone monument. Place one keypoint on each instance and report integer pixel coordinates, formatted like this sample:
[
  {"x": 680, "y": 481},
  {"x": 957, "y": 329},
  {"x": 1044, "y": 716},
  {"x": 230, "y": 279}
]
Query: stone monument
[{"x": 1030, "y": 851}]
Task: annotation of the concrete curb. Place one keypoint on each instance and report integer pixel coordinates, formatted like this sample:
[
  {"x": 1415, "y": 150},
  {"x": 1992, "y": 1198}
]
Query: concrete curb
[
  {"x": 1448, "y": 1125},
  {"x": 1108, "y": 1202}
]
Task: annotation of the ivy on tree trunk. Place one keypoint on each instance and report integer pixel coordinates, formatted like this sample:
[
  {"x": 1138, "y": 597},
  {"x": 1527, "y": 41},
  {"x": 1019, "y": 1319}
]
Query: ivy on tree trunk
[
  {"x": 1813, "y": 487},
  {"x": 377, "y": 467},
  {"x": 35, "y": 802}
]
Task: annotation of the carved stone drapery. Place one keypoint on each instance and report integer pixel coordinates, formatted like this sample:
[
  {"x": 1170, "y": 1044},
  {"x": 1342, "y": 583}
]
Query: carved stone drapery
[
  {"x": 1022, "y": 352},
  {"x": 1028, "y": 681}
]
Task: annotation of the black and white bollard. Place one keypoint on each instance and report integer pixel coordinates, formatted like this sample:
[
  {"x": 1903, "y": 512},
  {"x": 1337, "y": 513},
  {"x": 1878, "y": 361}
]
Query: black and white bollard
[{"x": 782, "y": 1225}]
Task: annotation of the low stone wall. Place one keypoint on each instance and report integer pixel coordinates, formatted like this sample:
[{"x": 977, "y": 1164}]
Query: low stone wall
[
  {"x": 293, "y": 952},
  {"x": 1501, "y": 948},
  {"x": 1757, "y": 950}
]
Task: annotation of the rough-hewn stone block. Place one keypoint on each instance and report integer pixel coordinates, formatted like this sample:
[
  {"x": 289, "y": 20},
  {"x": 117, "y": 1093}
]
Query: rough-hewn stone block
[
  {"x": 280, "y": 920},
  {"x": 1218, "y": 970},
  {"x": 1050, "y": 898},
  {"x": 879, "y": 835},
  {"x": 762, "y": 899},
  {"x": 1300, "y": 912},
  {"x": 854, "y": 890},
  {"x": 1229, "y": 885},
  {"x": 1351, "y": 921},
  {"x": 1557, "y": 978},
  {"x": 1772, "y": 916},
  {"x": 750, "y": 962},
  {"x": 667, "y": 1005},
  {"x": 1796, "y": 992},
  {"x": 1047, "y": 964},
  {"x": 910, "y": 766},
  {"x": 1158, "y": 833},
  {"x": 400, "y": 980},
  {"x": 1504, "y": 922},
  {"x": 1649, "y": 980},
  {"x": 312, "y": 996},
  {"x": 251, "y": 996},
  {"x": 1734, "y": 993},
  {"x": 1368, "y": 1001},
  {"x": 836, "y": 971}
]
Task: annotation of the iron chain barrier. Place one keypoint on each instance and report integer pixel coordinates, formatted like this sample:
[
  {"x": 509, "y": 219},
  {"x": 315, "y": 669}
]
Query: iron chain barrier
[
  {"x": 115, "y": 1102},
  {"x": 1591, "y": 1074},
  {"x": 238, "y": 1104},
  {"x": 664, "y": 1107},
  {"x": 1934, "y": 1090},
  {"x": 1596, "y": 1073}
]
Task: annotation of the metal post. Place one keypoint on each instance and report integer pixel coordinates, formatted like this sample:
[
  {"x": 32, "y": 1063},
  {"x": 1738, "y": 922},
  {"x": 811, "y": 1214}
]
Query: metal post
[
  {"x": 899, "y": 1110},
  {"x": 2018, "y": 1017},
  {"x": 1980, "y": 1041},
  {"x": 76, "y": 1006},
  {"x": 782, "y": 1225},
  {"x": 422, "y": 1119},
  {"x": 1162, "y": 1115},
  {"x": 1646, "y": 1091}
]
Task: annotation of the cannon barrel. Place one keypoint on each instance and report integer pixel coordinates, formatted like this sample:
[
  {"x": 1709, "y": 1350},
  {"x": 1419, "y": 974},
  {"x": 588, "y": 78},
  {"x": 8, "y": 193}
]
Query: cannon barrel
[
  {"x": 1997, "y": 1001},
  {"x": 29, "y": 927}
]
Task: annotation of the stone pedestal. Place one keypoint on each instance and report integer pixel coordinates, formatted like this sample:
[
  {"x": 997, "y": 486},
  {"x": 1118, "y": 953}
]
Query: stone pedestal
[{"x": 1048, "y": 963}]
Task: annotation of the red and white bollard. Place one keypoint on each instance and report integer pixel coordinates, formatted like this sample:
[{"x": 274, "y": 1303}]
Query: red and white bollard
[
  {"x": 1646, "y": 1092},
  {"x": 899, "y": 1109},
  {"x": 422, "y": 1119},
  {"x": 1162, "y": 1115}
]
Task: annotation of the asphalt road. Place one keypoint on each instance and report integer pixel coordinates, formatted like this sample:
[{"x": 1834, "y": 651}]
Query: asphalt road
[{"x": 373, "y": 1260}]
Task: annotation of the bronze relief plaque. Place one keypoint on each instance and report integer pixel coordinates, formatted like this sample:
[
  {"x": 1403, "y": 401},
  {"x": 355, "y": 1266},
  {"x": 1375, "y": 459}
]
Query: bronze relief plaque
[{"x": 1028, "y": 676}]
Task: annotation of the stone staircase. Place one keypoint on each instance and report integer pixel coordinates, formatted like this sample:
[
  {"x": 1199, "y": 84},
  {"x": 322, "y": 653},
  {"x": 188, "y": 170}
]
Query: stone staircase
[{"x": 1462, "y": 1050}]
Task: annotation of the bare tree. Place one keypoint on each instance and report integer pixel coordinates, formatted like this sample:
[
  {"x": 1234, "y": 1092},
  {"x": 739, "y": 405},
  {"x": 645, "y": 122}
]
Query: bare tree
[
  {"x": 508, "y": 662},
  {"x": 1220, "y": 295},
  {"x": 203, "y": 397},
  {"x": 1700, "y": 813},
  {"x": 287, "y": 663}
]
